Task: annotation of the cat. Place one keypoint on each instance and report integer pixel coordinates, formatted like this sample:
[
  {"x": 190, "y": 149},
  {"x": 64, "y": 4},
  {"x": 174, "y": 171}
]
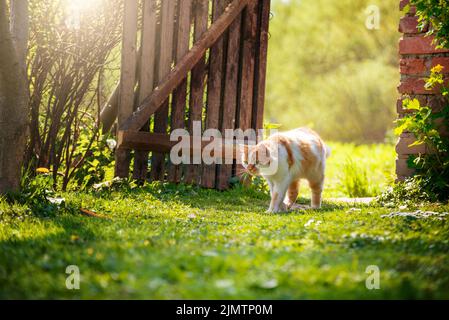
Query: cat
[{"x": 294, "y": 155}]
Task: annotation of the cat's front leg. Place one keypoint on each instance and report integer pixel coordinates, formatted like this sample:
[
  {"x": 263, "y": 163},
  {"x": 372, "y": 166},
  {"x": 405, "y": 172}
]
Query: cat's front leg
[
  {"x": 271, "y": 187},
  {"x": 277, "y": 197}
]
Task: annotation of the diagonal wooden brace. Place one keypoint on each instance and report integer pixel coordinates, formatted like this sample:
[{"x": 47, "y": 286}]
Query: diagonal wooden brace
[{"x": 153, "y": 102}]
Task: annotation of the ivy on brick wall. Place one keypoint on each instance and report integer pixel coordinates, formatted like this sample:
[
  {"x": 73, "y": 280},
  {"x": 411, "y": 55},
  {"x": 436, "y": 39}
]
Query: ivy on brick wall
[
  {"x": 435, "y": 14},
  {"x": 431, "y": 179}
]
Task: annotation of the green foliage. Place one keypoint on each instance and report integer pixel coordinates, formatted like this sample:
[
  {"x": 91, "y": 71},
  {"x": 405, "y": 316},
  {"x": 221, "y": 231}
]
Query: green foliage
[
  {"x": 98, "y": 161},
  {"x": 410, "y": 192},
  {"x": 432, "y": 168},
  {"x": 37, "y": 195},
  {"x": 165, "y": 242},
  {"x": 326, "y": 70},
  {"x": 435, "y": 14},
  {"x": 71, "y": 61}
]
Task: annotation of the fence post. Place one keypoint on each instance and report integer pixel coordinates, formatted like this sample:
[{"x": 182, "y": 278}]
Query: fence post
[{"x": 127, "y": 81}]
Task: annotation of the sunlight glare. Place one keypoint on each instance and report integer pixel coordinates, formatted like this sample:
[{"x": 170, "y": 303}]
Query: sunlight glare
[{"x": 74, "y": 10}]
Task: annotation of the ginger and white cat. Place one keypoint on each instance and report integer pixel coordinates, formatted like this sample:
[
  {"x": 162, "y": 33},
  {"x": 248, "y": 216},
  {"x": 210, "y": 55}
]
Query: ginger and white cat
[{"x": 295, "y": 155}]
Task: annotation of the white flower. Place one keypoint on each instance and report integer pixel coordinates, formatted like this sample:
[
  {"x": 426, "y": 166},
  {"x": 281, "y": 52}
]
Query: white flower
[
  {"x": 112, "y": 144},
  {"x": 309, "y": 223}
]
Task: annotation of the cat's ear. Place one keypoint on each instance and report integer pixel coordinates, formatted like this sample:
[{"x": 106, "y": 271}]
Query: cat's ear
[{"x": 264, "y": 154}]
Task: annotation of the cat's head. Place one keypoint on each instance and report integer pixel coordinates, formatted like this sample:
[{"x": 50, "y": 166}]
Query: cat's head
[{"x": 256, "y": 159}]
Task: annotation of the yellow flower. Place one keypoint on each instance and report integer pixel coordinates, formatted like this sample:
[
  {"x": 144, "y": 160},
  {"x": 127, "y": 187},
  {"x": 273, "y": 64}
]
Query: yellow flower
[
  {"x": 437, "y": 68},
  {"x": 42, "y": 170}
]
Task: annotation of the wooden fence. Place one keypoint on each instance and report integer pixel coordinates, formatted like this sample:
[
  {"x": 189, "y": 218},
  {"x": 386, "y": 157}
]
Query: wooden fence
[{"x": 196, "y": 60}]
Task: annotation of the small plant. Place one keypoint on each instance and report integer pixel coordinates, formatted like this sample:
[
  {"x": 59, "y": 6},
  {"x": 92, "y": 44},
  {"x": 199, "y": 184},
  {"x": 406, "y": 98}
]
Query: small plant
[
  {"x": 37, "y": 193},
  {"x": 94, "y": 158},
  {"x": 355, "y": 179},
  {"x": 116, "y": 184},
  {"x": 409, "y": 192}
]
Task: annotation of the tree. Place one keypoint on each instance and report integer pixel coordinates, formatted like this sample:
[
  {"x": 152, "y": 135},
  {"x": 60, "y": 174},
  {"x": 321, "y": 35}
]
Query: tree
[{"x": 13, "y": 92}]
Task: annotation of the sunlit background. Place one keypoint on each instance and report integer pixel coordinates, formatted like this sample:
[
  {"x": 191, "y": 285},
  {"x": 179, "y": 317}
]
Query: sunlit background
[
  {"x": 328, "y": 71},
  {"x": 74, "y": 9}
]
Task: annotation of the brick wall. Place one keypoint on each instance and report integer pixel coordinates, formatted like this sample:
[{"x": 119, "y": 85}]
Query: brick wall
[{"x": 417, "y": 57}]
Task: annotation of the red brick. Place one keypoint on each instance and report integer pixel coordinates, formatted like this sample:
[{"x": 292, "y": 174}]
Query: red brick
[
  {"x": 403, "y": 145},
  {"x": 399, "y": 108},
  {"x": 413, "y": 86},
  {"x": 418, "y": 45},
  {"x": 409, "y": 24},
  {"x": 437, "y": 103},
  {"x": 402, "y": 169},
  {"x": 444, "y": 61},
  {"x": 413, "y": 66},
  {"x": 416, "y": 86},
  {"x": 403, "y": 3}
]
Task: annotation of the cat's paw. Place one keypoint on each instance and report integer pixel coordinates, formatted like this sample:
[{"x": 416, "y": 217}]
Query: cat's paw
[
  {"x": 297, "y": 206},
  {"x": 277, "y": 210}
]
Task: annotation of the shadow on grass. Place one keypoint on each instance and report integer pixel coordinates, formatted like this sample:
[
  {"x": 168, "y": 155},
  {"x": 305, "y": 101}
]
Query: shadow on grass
[{"x": 238, "y": 198}]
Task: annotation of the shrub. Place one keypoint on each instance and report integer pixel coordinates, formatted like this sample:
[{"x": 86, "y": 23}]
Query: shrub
[{"x": 68, "y": 70}]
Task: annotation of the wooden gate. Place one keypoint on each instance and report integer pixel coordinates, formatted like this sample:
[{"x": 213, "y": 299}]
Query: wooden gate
[{"x": 198, "y": 60}]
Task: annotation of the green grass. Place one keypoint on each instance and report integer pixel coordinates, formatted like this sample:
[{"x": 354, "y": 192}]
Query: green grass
[
  {"x": 163, "y": 242},
  {"x": 169, "y": 242},
  {"x": 376, "y": 161}
]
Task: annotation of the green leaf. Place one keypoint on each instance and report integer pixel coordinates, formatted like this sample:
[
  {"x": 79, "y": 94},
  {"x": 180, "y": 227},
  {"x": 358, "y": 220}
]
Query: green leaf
[
  {"x": 412, "y": 104},
  {"x": 416, "y": 143},
  {"x": 406, "y": 9}
]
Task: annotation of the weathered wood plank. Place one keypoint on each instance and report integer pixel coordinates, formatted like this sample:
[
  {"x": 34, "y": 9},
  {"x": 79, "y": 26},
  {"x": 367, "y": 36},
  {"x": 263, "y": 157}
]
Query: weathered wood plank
[
  {"x": 215, "y": 92},
  {"x": 230, "y": 94},
  {"x": 179, "y": 73},
  {"x": 201, "y": 16},
  {"x": 127, "y": 80},
  {"x": 109, "y": 111},
  {"x": 165, "y": 63},
  {"x": 161, "y": 142},
  {"x": 246, "y": 90},
  {"x": 178, "y": 112},
  {"x": 146, "y": 76},
  {"x": 261, "y": 63}
]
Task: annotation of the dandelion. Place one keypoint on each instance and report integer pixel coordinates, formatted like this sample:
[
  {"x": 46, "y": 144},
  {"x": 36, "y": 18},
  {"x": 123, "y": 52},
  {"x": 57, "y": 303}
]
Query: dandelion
[{"x": 437, "y": 68}]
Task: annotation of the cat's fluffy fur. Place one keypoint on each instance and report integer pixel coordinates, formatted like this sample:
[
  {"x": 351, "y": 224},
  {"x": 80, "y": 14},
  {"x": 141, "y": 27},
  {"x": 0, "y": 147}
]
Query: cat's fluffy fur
[{"x": 301, "y": 154}]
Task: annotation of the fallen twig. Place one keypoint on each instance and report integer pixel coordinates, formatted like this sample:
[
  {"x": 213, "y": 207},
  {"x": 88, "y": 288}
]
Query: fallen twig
[{"x": 93, "y": 214}]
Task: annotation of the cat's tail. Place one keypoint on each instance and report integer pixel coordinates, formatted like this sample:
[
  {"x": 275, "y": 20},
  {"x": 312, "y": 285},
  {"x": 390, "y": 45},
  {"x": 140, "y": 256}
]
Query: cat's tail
[{"x": 328, "y": 151}]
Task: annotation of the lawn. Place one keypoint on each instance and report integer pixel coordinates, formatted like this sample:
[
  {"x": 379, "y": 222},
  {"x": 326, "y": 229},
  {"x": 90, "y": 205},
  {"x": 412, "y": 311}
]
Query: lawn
[{"x": 180, "y": 242}]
